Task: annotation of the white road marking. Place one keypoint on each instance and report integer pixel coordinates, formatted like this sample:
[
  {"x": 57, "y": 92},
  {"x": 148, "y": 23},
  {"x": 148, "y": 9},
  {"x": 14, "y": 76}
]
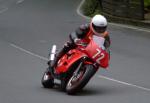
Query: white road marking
[
  {"x": 3, "y": 10},
  {"x": 19, "y": 1},
  {"x": 131, "y": 27},
  {"x": 125, "y": 83},
  {"x": 114, "y": 24},
  {"x": 79, "y": 12},
  {"x": 100, "y": 76},
  {"x": 28, "y": 52}
]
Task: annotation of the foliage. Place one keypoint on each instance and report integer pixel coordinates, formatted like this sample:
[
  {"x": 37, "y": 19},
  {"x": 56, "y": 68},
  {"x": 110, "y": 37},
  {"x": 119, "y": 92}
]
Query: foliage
[
  {"x": 146, "y": 3},
  {"x": 91, "y": 7}
]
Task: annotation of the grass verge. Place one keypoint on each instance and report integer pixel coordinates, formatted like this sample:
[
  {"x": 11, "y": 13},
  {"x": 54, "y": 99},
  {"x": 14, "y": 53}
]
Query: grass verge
[{"x": 91, "y": 7}]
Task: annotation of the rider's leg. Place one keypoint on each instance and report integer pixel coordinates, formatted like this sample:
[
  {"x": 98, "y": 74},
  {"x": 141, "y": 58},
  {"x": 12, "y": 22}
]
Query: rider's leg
[{"x": 68, "y": 46}]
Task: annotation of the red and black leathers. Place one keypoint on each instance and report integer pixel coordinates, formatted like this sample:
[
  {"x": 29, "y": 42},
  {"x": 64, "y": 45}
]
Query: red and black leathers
[{"x": 84, "y": 33}]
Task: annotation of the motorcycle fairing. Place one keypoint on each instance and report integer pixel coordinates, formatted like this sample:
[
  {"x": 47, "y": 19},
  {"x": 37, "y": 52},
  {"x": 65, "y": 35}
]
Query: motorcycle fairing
[
  {"x": 97, "y": 54},
  {"x": 67, "y": 60}
]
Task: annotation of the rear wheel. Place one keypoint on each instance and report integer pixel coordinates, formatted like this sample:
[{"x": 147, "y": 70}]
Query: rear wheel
[
  {"x": 80, "y": 79},
  {"x": 47, "y": 80}
]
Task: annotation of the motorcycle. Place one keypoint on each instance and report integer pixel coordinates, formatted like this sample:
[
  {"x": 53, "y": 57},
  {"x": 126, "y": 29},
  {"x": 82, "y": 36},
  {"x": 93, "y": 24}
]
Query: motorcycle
[{"x": 76, "y": 67}]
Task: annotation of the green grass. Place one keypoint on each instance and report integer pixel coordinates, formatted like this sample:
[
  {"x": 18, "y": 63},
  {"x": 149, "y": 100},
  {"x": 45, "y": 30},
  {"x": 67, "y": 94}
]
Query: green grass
[
  {"x": 146, "y": 3},
  {"x": 91, "y": 7}
]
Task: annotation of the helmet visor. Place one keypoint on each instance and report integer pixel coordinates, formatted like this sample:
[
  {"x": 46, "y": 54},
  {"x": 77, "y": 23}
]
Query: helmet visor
[{"x": 99, "y": 29}]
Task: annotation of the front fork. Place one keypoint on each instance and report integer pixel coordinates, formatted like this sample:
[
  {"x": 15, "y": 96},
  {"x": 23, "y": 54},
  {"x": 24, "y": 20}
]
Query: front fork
[{"x": 83, "y": 62}]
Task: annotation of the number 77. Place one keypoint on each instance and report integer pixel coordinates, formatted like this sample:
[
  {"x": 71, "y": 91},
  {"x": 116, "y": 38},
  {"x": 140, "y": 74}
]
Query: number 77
[{"x": 99, "y": 52}]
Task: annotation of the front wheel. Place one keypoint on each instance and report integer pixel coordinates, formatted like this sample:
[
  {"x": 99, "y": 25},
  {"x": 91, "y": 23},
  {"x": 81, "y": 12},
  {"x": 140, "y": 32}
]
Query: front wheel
[
  {"x": 79, "y": 80},
  {"x": 47, "y": 80}
]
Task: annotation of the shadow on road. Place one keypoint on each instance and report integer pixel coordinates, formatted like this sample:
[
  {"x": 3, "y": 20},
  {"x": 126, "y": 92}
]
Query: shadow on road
[
  {"x": 106, "y": 90},
  {"x": 99, "y": 90}
]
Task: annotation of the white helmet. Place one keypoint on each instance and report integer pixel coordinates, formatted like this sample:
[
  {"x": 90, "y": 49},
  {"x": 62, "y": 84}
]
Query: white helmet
[{"x": 98, "y": 24}]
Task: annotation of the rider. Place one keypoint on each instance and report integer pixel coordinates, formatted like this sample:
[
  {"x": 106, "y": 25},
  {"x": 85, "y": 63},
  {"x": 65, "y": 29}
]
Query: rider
[{"x": 97, "y": 26}]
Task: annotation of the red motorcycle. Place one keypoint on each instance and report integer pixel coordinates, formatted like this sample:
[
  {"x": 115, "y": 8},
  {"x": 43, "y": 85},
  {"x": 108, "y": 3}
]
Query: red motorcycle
[{"x": 76, "y": 67}]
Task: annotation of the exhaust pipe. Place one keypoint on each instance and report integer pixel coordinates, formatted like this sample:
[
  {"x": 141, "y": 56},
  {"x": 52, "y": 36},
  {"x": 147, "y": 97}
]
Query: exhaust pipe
[{"x": 53, "y": 52}]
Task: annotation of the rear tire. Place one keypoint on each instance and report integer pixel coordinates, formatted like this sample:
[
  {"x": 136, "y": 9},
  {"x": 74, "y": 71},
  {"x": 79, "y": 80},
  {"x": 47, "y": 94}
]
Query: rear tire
[
  {"x": 76, "y": 83},
  {"x": 47, "y": 80}
]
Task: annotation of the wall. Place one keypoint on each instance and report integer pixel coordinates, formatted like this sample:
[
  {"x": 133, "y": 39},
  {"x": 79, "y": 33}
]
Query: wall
[{"x": 133, "y": 9}]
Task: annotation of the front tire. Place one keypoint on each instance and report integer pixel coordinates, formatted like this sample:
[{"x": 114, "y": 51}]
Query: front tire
[
  {"x": 47, "y": 80},
  {"x": 77, "y": 82}
]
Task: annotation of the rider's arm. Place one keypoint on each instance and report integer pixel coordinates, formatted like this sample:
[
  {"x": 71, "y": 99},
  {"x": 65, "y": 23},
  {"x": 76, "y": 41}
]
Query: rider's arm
[
  {"x": 107, "y": 41},
  {"x": 80, "y": 32}
]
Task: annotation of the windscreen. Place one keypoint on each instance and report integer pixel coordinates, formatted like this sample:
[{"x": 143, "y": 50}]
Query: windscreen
[{"x": 99, "y": 41}]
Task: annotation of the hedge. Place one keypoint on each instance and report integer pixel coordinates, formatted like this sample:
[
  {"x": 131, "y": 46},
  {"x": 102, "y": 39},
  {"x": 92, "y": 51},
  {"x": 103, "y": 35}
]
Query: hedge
[
  {"x": 147, "y": 3},
  {"x": 91, "y": 7}
]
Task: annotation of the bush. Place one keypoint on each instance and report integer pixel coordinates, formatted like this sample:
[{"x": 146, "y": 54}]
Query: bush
[
  {"x": 147, "y": 3},
  {"x": 91, "y": 7}
]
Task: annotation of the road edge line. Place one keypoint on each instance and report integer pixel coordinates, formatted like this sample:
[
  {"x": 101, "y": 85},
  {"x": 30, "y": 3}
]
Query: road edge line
[
  {"x": 125, "y": 83},
  {"x": 28, "y": 52}
]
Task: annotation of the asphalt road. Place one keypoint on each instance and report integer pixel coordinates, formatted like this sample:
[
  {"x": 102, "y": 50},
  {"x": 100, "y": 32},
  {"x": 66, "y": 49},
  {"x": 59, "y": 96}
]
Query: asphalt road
[{"x": 28, "y": 28}]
